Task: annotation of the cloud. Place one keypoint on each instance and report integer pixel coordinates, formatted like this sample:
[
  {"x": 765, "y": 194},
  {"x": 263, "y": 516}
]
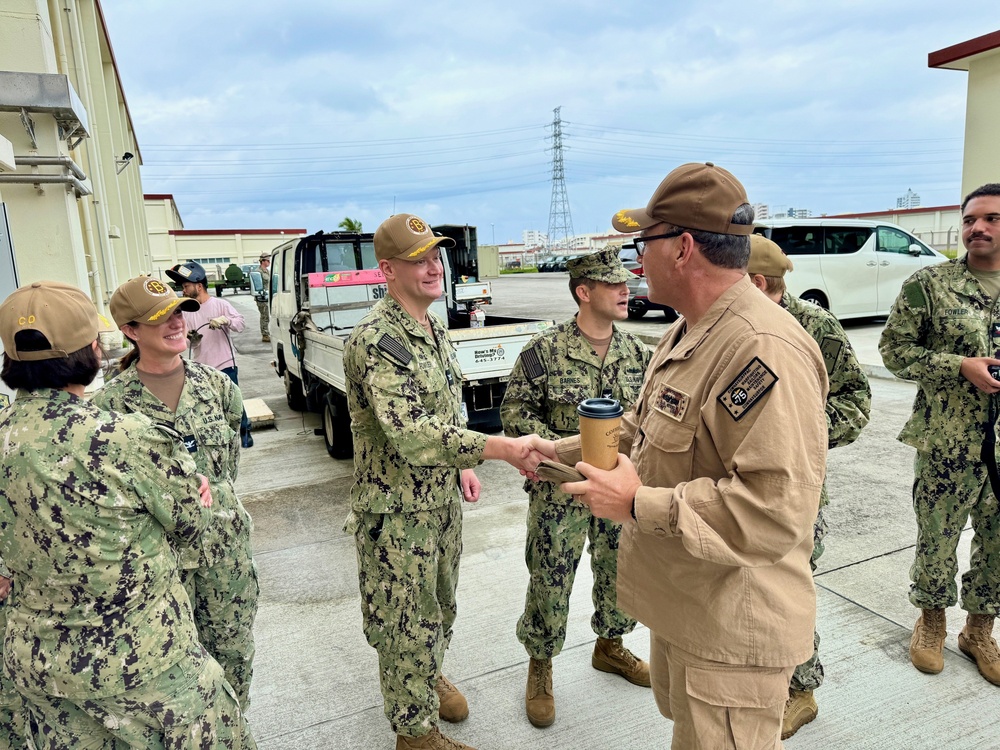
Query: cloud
[{"x": 310, "y": 111}]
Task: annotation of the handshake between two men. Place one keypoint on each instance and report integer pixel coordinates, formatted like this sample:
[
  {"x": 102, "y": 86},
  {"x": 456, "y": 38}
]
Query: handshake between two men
[{"x": 608, "y": 494}]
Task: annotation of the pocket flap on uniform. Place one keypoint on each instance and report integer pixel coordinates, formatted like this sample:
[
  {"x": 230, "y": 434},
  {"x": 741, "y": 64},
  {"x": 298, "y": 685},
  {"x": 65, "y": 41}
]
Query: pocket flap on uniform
[
  {"x": 668, "y": 435},
  {"x": 760, "y": 688}
]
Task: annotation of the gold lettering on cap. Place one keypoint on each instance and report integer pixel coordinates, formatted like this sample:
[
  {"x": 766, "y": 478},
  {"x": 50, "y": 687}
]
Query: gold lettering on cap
[
  {"x": 159, "y": 314},
  {"x": 421, "y": 249},
  {"x": 416, "y": 225},
  {"x": 625, "y": 219}
]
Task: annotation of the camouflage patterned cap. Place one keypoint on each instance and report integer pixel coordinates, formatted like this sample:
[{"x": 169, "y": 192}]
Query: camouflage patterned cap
[
  {"x": 62, "y": 313},
  {"x": 407, "y": 237},
  {"x": 603, "y": 266},
  {"x": 767, "y": 258},
  {"x": 147, "y": 300}
]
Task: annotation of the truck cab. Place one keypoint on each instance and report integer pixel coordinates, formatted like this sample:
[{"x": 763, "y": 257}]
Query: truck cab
[{"x": 324, "y": 284}]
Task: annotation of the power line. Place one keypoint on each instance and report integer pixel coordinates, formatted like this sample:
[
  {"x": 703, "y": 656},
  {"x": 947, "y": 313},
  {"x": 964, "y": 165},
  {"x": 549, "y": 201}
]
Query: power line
[{"x": 560, "y": 220}]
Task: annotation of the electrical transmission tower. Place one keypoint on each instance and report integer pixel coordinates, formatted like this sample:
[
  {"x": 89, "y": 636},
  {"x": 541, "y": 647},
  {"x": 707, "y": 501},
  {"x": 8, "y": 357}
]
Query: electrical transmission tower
[{"x": 560, "y": 221}]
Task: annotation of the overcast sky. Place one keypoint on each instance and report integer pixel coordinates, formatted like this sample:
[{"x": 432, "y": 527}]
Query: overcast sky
[{"x": 296, "y": 114}]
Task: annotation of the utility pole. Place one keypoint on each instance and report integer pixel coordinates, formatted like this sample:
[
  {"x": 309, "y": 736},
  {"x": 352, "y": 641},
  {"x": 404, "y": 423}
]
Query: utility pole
[{"x": 560, "y": 221}]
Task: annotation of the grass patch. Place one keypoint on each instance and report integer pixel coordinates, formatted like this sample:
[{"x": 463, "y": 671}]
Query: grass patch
[{"x": 526, "y": 269}]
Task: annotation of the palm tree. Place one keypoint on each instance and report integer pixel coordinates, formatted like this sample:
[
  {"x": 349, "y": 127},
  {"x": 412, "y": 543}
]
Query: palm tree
[{"x": 350, "y": 225}]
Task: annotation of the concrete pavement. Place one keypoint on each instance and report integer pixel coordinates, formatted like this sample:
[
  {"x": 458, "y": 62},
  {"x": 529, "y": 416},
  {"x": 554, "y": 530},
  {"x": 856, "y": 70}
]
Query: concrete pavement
[{"x": 316, "y": 678}]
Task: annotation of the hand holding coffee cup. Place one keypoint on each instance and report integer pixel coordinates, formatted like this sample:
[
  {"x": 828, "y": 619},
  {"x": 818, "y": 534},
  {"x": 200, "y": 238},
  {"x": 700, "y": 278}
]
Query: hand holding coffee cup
[{"x": 600, "y": 426}]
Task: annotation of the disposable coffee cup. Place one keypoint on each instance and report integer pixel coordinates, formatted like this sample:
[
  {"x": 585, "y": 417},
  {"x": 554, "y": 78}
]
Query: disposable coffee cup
[{"x": 600, "y": 425}]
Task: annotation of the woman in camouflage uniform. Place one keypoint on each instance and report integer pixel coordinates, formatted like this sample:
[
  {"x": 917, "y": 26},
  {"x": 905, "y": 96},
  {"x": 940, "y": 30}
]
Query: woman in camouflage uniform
[
  {"x": 204, "y": 406},
  {"x": 100, "y": 641}
]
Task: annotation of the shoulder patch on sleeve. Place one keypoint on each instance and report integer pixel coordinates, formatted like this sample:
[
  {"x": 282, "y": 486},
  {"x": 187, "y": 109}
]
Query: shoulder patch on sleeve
[
  {"x": 914, "y": 295},
  {"x": 831, "y": 348},
  {"x": 532, "y": 364},
  {"x": 747, "y": 388},
  {"x": 395, "y": 349}
]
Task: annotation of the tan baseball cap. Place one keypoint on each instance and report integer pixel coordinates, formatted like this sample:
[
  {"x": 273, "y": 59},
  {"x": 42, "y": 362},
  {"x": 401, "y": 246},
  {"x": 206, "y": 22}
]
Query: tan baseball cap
[
  {"x": 147, "y": 300},
  {"x": 603, "y": 266},
  {"x": 766, "y": 258},
  {"x": 406, "y": 236},
  {"x": 63, "y": 313},
  {"x": 693, "y": 196},
  {"x": 264, "y": 256}
]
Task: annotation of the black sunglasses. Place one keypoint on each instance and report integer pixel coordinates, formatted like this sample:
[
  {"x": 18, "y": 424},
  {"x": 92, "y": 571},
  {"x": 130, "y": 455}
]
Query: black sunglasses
[{"x": 640, "y": 242}]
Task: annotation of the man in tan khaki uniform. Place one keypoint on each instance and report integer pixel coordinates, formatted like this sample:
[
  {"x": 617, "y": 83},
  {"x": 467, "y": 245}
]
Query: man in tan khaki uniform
[{"x": 725, "y": 453}]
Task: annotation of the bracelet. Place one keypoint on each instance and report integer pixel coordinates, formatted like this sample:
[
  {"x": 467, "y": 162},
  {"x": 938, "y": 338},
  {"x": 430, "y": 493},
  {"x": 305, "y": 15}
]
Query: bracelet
[{"x": 633, "y": 510}]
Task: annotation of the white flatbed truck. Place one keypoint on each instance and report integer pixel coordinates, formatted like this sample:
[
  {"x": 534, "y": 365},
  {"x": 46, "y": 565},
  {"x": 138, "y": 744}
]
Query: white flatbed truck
[{"x": 324, "y": 284}]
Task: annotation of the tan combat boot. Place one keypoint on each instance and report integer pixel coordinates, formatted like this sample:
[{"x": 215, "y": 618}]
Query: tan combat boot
[
  {"x": 800, "y": 709},
  {"x": 927, "y": 643},
  {"x": 611, "y": 656},
  {"x": 453, "y": 706},
  {"x": 433, "y": 740},
  {"x": 539, "y": 702},
  {"x": 975, "y": 641}
]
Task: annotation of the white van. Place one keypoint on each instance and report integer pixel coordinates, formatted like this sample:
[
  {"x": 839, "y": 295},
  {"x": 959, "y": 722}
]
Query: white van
[{"x": 853, "y": 268}]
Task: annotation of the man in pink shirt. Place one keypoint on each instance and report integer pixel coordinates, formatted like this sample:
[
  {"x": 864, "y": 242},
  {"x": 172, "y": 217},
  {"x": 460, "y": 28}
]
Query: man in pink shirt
[{"x": 209, "y": 328}]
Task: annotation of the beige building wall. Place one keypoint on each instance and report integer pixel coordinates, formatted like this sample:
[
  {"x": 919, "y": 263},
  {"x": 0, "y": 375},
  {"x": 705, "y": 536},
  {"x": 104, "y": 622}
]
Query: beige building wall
[
  {"x": 58, "y": 231},
  {"x": 982, "y": 120},
  {"x": 215, "y": 249},
  {"x": 980, "y": 57}
]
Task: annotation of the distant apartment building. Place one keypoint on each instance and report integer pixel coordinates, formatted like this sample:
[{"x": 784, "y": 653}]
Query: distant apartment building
[
  {"x": 789, "y": 213},
  {"x": 761, "y": 211},
  {"x": 534, "y": 238},
  {"x": 910, "y": 200}
]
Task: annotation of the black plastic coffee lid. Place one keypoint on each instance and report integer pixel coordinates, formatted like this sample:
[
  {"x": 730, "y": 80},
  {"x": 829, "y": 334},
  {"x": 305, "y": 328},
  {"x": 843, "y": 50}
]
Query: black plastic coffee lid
[{"x": 600, "y": 408}]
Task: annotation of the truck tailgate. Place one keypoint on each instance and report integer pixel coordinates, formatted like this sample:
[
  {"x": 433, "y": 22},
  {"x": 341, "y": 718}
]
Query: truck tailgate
[
  {"x": 325, "y": 357},
  {"x": 490, "y": 352}
]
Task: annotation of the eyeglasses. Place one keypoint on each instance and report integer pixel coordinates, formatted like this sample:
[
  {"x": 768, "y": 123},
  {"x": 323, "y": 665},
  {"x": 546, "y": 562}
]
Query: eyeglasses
[{"x": 640, "y": 242}]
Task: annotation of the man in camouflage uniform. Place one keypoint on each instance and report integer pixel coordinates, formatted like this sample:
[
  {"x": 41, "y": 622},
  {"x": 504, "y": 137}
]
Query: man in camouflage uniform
[
  {"x": 585, "y": 357},
  {"x": 263, "y": 299},
  {"x": 848, "y": 407},
  {"x": 413, "y": 462},
  {"x": 218, "y": 571},
  {"x": 101, "y": 641},
  {"x": 944, "y": 333},
  {"x": 12, "y": 734}
]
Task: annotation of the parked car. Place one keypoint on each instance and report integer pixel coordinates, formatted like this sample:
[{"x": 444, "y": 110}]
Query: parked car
[
  {"x": 853, "y": 268},
  {"x": 630, "y": 259},
  {"x": 639, "y": 303},
  {"x": 561, "y": 264},
  {"x": 549, "y": 264}
]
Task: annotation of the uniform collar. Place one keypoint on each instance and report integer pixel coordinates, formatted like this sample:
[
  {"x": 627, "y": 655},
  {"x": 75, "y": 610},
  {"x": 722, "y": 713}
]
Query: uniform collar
[
  {"x": 47, "y": 394},
  {"x": 966, "y": 284},
  {"x": 581, "y": 349},
  {"x": 686, "y": 341},
  {"x": 409, "y": 323}
]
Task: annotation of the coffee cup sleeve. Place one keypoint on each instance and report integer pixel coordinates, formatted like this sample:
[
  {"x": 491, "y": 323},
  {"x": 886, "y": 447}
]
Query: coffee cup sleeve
[{"x": 553, "y": 471}]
